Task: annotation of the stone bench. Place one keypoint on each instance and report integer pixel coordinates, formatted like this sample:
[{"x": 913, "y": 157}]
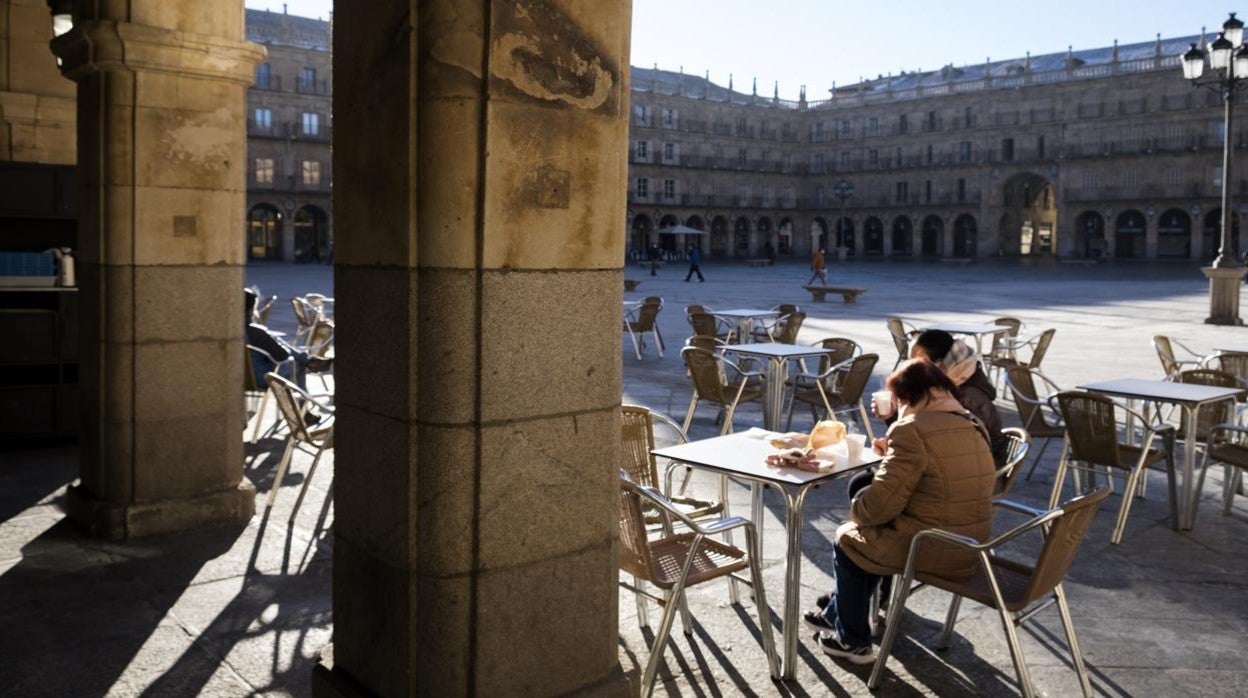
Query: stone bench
[
  {"x": 850, "y": 295},
  {"x": 631, "y": 284},
  {"x": 758, "y": 262}
]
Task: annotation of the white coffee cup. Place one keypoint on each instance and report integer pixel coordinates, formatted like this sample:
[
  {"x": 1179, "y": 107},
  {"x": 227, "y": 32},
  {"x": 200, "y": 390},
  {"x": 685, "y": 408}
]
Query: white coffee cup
[
  {"x": 854, "y": 443},
  {"x": 883, "y": 400}
]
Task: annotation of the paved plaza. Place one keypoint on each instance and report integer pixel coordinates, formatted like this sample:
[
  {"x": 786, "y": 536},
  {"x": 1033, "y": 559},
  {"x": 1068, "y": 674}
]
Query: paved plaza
[{"x": 247, "y": 610}]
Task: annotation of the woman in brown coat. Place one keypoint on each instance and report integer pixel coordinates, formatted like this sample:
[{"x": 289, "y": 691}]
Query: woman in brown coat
[{"x": 937, "y": 472}]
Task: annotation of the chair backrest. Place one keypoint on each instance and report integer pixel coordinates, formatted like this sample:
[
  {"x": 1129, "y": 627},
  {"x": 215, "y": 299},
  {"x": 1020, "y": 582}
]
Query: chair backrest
[
  {"x": 653, "y": 299},
  {"x": 1042, "y": 347},
  {"x": 646, "y": 315},
  {"x": 1165, "y": 353},
  {"x": 263, "y": 310},
  {"x": 1018, "y": 445},
  {"x": 843, "y": 349},
  {"x": 635, "y": 557},
  {"x": 1210, "y": 415},
  {"x": 706, "y": 373},
  {"x": 786, "y": 309},
  {"x": 1002, "y": 339},
  {"x": 305, "y": 312},
  {"x": 284, "y": 393},
  {"x": 636, "y": 443},
  {"x": 1232, "y": 362},
  {"x": 898, "y": 330},
  {"x": 789, "y": 326},
  {"x": 1030, "y": 412},
  {"x": 1061, "y": 543},
  {"x": 703, "y": 341},
  {"x": 703, "y": 324},
  {"x": 321, "y": 337},
  {"x": 854, "y": 383},
  {"x": 696, "y": 308},
  {"x": 1091, "y": 427}
]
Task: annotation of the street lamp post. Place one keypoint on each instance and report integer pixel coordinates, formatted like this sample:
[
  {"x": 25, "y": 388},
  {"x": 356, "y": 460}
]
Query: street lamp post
[
  {"x": 843, "y": 191},
  {"x": 1228, "y": 63}
]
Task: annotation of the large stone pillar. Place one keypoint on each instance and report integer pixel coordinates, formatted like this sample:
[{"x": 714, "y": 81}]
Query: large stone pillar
[
  {"x": 480, "y": 156},
  {"x": 161, "y": 146}
]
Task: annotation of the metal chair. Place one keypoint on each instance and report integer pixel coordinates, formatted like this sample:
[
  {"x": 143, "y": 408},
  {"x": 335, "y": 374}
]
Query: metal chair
[
  {"x": 704, "y": 323},
  {"x": 901, "y": 334},
  {"x": 1228, "y": 445},
  {"x": 1164, "y": 346},
  {"x": 1001, "y": 345},
  {"x": 1040, "y": 419},
  {"x": 767, "y": 328},
  {"x": 838, "y": 389},
  {"x": 1232, "y": 362},
  {"x": 710, "y": 374},
  {"x": 1092, "y": 438},
  {"x": 292, "y": 404},
  {"x": 306, "y": 315},
  {"x": 677, "y": 561},
  {"x": 647, "y": 321},
  {"x": 637, "y": 443},
  {"x": 1016, "y": 590},
  {"x": 1016, "y": 453},
  {"x": 841, "y": 349},
  {"x": 1039, "y": 345},
  {"x": 252, "y": 388},
  {"x": 787, "y": 328}
]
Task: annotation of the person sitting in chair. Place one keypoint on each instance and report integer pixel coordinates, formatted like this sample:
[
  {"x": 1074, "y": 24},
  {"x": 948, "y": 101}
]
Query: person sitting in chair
[{"x": 266, "y": 340}]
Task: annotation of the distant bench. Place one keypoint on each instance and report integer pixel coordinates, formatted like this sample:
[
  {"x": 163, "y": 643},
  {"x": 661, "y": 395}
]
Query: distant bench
[
  {"x": 631, "y": 284},
  {"x": 759, "y": 262},
  {"x": 850, "y": 295}
]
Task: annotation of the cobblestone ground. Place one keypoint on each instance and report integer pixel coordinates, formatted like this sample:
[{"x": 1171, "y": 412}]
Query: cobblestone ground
[{"x": 246, "y": 611}]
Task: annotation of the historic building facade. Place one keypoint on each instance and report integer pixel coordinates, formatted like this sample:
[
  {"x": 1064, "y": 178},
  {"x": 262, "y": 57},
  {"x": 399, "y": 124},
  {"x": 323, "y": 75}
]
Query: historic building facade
[
  {"x": 1085, "y": 154},
  {"x": 288, "y": 139}
]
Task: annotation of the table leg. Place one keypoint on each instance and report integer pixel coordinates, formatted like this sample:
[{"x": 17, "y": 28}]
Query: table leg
[
  {"x": 1187, "y": 501},
  {"x": 792, "y": 580},
  {"x": 773, "y": 400},
  {"x": 756, "y": 511}
]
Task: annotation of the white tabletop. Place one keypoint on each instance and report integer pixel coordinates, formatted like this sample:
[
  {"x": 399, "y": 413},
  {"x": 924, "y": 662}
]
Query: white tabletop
[
  {"x": 777, "y": 350},
  {"x": 1166, "y": 391},
  {"x": 1236, "y": 348},
  {"x": 744, "y": 313},
  {"x": 967, "y": 328},
  {"x": 746, "y": 454}
]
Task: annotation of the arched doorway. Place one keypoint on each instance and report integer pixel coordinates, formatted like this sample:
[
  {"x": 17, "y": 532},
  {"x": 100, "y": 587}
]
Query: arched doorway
[
  {"x": 1211, "y": 235},
  {"x": 873, "y": 236},
  {"x": 845, "y": 235},
  {"x": 719, "y": 236},
  {"x": 697, "y": 241},
  {"x": 933, "y": 236},
  {"x": 640, "y": 239},
  {"x": 763, "y": 245},
  {"x": 784, "y": 237},
  {"x": 1029, "y": 224},
  {"x": 667, "y": 241},
  {"x": 311, "y": 234},
  {"x": 1174, "y": 234},
  {"x": 264, "y": 232},
  {"x": 741, "y": 238},
  {"x": 965, "y": 236},
  {"x": 903, "y": 237},
  {"x": 819, "y": 234},
  {"x": 1129, "y": 234},
  {"x": 1091, "y": 230}
]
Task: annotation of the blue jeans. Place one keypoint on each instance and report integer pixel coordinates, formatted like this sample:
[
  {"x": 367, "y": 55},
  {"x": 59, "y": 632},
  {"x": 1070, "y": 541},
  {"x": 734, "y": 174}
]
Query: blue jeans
[
  {"x": 849, "y": 610},
  {"x": 262, "y": 366}
]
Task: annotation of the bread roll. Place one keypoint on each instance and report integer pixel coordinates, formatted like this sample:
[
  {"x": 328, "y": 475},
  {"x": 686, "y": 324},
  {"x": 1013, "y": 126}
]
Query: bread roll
[{"x": 826, "y": 433}]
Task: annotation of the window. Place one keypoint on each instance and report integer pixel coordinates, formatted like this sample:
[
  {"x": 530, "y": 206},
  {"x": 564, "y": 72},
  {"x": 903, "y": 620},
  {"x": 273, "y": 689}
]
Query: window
[
  {"x": 903, "y": 192},
  {"x": 641, "y": 115},
  {"x": 262, "y": 76},
  {"x": 643, "y": 187},
  {"x": 1174, "y": 177},
  {"x": 742, "y": 156},
  {"x": 669, "y": 118},
  {"x": 929, "y": 154},
  {"x": 642, "y": 150},
  {"x": 961, "y": 191},
  {"x": 264, "y": 118},
  {"x": 845, "y": 128},
  {"x": 312, "y": 123},
  {"x": 1130, "y": 178},
  {"x": 873, "y": 157},
  {"x": 669, "y": 189},
  {"x": 669, "y": 152},
  {"x": 964, "y": 151},
  {"x": 264, "y": 170},
  {"x": 1040, "y": 147},
  {"x": 873, "y": 125},
  {"x": 927, "y": 191},
  {"x": 902, "y": 125},
  {"x": 1007, "y": 149},
  {"x": 1089, "y": 179},
  {"x": 818, "y": 163},
  {"x": 1219, "y": 133},
  {"x": 311, "y": 173},
  {"x": 844, "y": 159},
  {"x": 931, "y": 121},
  {"x": 968, "y": 117},
  {"x": 307, "y": 79},
  {"x": 819, "y": 132},
  {"x": 1217, "y": 176}
]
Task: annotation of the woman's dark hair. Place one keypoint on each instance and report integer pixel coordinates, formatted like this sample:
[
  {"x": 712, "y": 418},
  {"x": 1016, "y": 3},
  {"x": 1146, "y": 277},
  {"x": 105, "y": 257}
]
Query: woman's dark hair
[
  {"x": 935, "y": 343},
  {"x": 914, "y": 380}
]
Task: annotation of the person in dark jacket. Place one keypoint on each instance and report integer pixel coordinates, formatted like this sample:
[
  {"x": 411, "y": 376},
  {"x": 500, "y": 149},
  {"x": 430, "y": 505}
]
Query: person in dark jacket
[
  {"x": 974, "y": 390},
  {"x": 695, "y": 263},
  {"x": 263, "y": 338}
]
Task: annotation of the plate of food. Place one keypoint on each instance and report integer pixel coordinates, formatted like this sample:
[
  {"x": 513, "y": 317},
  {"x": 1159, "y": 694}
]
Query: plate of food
[{"x": 826, "y": 448}]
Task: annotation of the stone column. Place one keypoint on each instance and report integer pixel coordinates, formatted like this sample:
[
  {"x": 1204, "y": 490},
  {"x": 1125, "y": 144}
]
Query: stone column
[
  {"x": 481, "y": 159},
  {"x": 1151, "y": 225},
  {"x": 161, "y": 150}
]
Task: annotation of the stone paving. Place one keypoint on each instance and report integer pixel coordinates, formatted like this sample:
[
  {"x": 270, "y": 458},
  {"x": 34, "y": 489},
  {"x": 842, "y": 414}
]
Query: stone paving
[{"x": 247, "y": 610}]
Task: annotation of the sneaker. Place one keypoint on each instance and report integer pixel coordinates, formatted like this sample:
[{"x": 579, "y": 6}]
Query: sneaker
[
  {"x": 823, "y": 600},
  {"x": 833, "y": 647},
  {"x": 815, "y": 620}
]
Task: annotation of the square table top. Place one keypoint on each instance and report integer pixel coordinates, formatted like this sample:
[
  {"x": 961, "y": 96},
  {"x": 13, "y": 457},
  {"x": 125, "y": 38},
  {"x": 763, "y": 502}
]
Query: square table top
[
  {"x": 745, "y": 453},
  {"x": 967, "y": 327},
  {"x": 745, "y": 313},
  {"x": 777, "y": 350},
  {"x": 1231, "y": 347},
  {"x": 1166, "y": 391}
]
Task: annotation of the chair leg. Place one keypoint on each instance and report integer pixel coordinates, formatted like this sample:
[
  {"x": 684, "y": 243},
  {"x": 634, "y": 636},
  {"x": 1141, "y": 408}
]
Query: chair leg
[
  {"x": 658, "y": 341},
  {"x": 264, "y": 403},
  {"x": 660, "y": 639},
  {"x": 1059, "y": 477},
  {"x": 1230, "y": 492},
  {"x": 1016, "y": 654},
  {"x": 727, "y": 428},
  {"x": 1125, "y": 509},
  {"x": 947, "y": 633},
  {"x": 734, "y": 587},
  {"x": 643, "y": 615},
  {"x": 1076, "y": 654},
  {"x": 693, "y": 404},
  {"x": 1036, "y": 460},
  {"x": 900, "y": 592},
  {"x": 281, "y": 471},
  {"x": 306, "y": 480},
  {"x": 636, "y": 348},
  {"x": 686, "y": 618}
]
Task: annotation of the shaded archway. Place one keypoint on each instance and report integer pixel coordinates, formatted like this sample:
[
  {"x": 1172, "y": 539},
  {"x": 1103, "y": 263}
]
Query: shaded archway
[
  {"x": 819, "y": 233},
  {"x": 873, "y": 236},
  {"x": 264, "y": 232},
  {"x": 764, "y": 245},
  {"x": 1029, "y": 223},
  {"x": 1129, "y": 234},
  {"x": 312, "y": 241},
  {"x": 667, "y": 241},
  {"x": 845, "y": 235},
  {"x": 640, "y": 237},
  {"x": 784, "y": 237},
  {"x": 1174, "y": 234},
  {"x": 1211, "y": 234},
  {"x": 965, "y": 236},
  {"x": 719, "y": 236},
  {"x": 933, "y": 236},
  {"x": 903, "y": 237},
  {"x": 1091, "y": 230},
  {"x": 698, "y": 241},
  {"x": 741, "y": 237}
]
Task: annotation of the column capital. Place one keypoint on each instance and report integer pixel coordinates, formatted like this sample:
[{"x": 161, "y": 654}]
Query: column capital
[{"x": 101, "y": 45}]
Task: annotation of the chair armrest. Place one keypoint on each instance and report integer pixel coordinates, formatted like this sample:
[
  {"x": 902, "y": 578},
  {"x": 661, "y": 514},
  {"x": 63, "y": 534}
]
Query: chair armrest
[
  {"x": 1223, "y": 428},
  {"x": 968, "y": 543},
  {"x": 842, "y": 366},
  {"x": 1018, "y": 507},
  {"x": 669, "y": 510}
]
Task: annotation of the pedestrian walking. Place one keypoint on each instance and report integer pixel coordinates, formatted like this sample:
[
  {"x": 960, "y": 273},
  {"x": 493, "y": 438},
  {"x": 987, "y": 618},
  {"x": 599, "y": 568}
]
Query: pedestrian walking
[
  {"x": 695, "y": 262},
  {"x": 818, "y": 268},
  {"x": 654, "y": 259}
]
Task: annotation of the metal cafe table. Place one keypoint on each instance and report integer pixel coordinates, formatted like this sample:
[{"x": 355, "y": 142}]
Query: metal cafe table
[
  {"x": 777, "y": 356},
  {"x": 743, "y": 456},
  {"x": 1188, "y": 396},
  {"x": 976, "y": 330},
  {"x": 744, "y": 317}
]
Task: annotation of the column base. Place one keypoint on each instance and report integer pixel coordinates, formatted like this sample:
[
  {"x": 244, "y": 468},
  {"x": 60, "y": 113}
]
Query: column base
[
  {"x": 116, "y": 522},
  {"x": 1224, "y": 287}
]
